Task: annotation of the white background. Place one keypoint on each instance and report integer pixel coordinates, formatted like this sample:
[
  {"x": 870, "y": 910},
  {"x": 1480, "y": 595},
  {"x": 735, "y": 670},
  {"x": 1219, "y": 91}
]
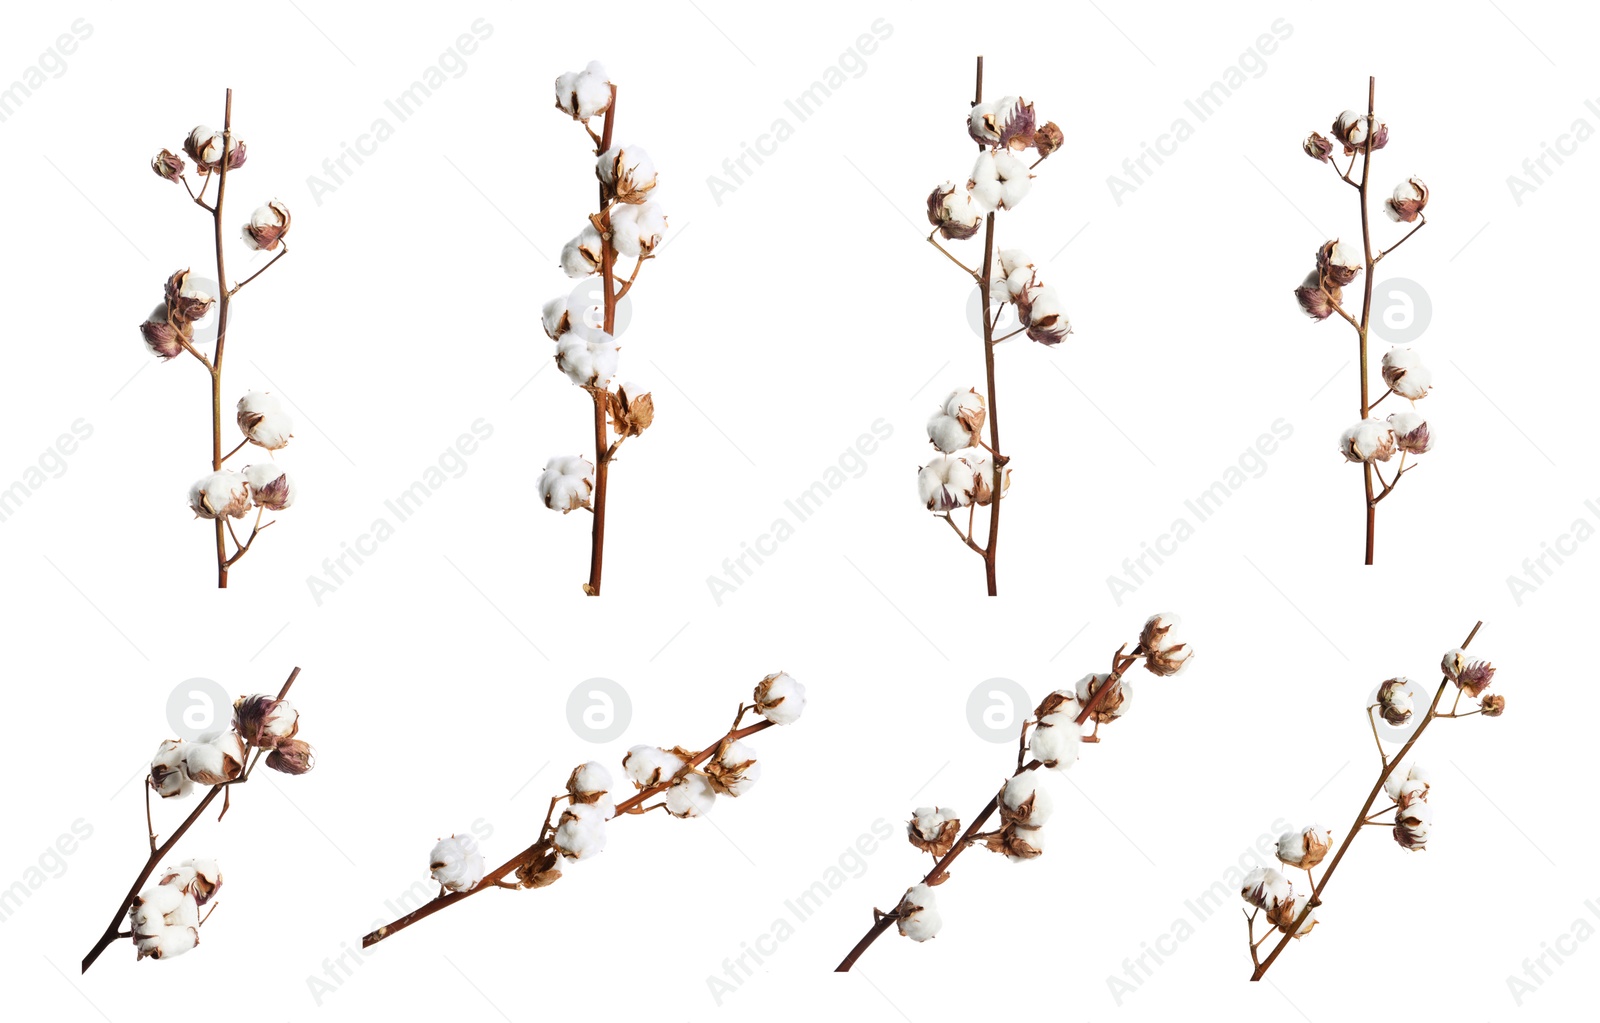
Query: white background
[{"x": 775, "y": 328}]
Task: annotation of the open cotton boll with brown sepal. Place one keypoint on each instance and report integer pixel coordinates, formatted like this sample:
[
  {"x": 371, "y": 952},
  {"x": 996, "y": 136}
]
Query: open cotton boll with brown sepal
[
  {"x": 267, "y": 227},
  {"x": 1412, "y": 434},
  {"x": 221, "y": 494},
  {"x": 263, "y": 420},
  {"x": 780, "y": 698},
  {"x": 584, "y": 94},
  {"x": 1371, "y": 440},
  {"x": 637, "y": 229},
  {"x": 588, "y": 357},
  {"x": 933, "y": 829},
  {"x": 917, "y": 915},
  {"x": 214, "y": 758},
  {"x": 953, "y": 213},
  {"x": 167, "y": 776},
  {"x": 566, "y": 483},
  {"x": 456, "y": 863},
  {"x": 999, "y": 181},
  {"x": 1405, "y": 374},
  {"x": 270, "y": 486},
  {"x": 958, "y": 423},
  {"x": 582, "y": 256},
  {"x": 626, "y": 173}
]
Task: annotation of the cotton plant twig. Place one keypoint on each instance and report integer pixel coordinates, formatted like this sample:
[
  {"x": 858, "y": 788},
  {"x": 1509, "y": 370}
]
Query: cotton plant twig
[
  {"x": 165, "y": 920},
  {"x": 1321, "y": 294},
  {"x": 169, "y": 332},
  {"x": 1292, "y": 915},
  {"x": 688, "y": 783},
  {"x": 629, "y": 225},
  {"x": 967, "y": 472},
  {"x": 1024, "y": 805}
]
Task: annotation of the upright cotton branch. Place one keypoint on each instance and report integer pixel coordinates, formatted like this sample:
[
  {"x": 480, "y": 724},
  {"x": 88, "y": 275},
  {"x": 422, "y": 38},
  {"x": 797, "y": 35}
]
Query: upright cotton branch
[
  {"x": 688, "y": 783},
  {"x": 1023, "y": 803},
  {"x": 169, "y": 332},
  {"x": 969, "y": 473},
  {"x": 628, "y": 224},
  {"x": 1370, "y": 441},
  {"x": 1290, "y": 914}
]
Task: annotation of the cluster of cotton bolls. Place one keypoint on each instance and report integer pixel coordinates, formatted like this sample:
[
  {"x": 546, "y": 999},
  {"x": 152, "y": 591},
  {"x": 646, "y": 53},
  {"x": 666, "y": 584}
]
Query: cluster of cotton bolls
[
  {"x": 1268, "y": 890},
  {"x": 165, "y": 918},
  {"x": 262, "y": 485},
  {"x": 1378, "y": 440},
  {"x": 261, "y": 722},
  {"x": 1413, "y": 816},
  {"x": 961, "y": 479},
  {"x": 1000, "y": 179},
  {"x": 170, "y": 328},
  {"x": 1472, "y": 677}
]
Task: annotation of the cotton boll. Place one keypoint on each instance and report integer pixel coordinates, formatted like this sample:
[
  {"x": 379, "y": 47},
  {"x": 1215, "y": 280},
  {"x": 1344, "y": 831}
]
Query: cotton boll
[
  {"x": 267, "y": 226},
  {"x": 780, "y": 699},
  {"x": 207, "y": 878},
  {"x": 1055, "y": 741},
  {"x": 946, "y": 482},
  {"x": 1409, "y": 199},
  {"x": 214, "y": 758},
  {"x": 1339, "y": 262},
  {"x": 270, "y": 486},
  {"x": 1110, "y": 706},
  {"x": 1042, "y": 311},
  {"x": 166, "y": 770},
  {"x": 957, "y": 422},
  {"x": 933, "y": 829},
  {"x": 582, "y": 256},
  {"x": 589, "y": 780},
  {"x": 1015, "y": 180},
  {"x": 917, "y": 915},
  {"x": 1318, "y": 298},
  {"x": 1412, "y": 432},
  {"x": 953, "y": 212},
  {"x": 587, "y": 363},
  {"x": 627, "y": 173},
  {"x": 262, "y": 419},
  {"x": 948, "y": 434},
  {"x": 166, "y": 942},
  {"x": 1303, "y": 847},
  {"x": 1012, "y": 260},
  {"x": 556, "y": 317},
  {"x": 566, "y": 483},
  {"x": 1405, "y": 374},
  {"x": 690, "y": 796},
  {"x": 1016, "y": 794},
  {"x": 734, "y": 769},
  {"x": 581, "y": 833},
  {"x": 647, "y": 766},
  {"x": 637, "y": 230},
  {"x": 264, "y": 721},
  {"x": 584, "y": 94},
  {"x": 457, "y": 864},
  {"x": 1266, "y": 889},
  {"x": 984, "y": 184},
  {"x": 1371, "y": 440},
  {"x": 220, "y": 495}
]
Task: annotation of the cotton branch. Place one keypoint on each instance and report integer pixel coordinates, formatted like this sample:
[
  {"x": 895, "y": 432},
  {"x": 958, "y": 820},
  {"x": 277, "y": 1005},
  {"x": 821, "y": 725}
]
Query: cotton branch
[
  {"x": 271, "y": 725},
  {"x": 1056, "y": 728},
  {"x": 1370, "y": 440},
  {"x": 689, "y": 782},
  {"x": 967, "y": 472},
  {"x": 223, "y": 495},
  {"x": 1268, "y": 891},
  {"x": 628, "y": 224}
]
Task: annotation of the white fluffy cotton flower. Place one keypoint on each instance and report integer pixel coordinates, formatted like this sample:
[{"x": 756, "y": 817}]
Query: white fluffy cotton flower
[
  {"x": 1110, "y": 706},
  {"x": 167, "y": 776},
  {"x": 267, "y": 226},
  {"x": 457, "y": 864},
  {"x": 1056, "y": 739},
  {"x": 263, "y": 420},
  {"x": 566, "y": 483},
  {"x": 1414, "y": 784},
  {"x": 164, "y": 921},
  {"x": 588, "y": 358},
  {"x": 214, "y": 758},
  {"x": 1304, "y": 847},
  {"x": 584, "y": 94},
  {"x": 637, "y": 230},
  {"x": 1266, "y": 889},
  {"x": 952, "y": 211},
  {"x": 557, "y": 317},
  {"x": 999, "y": 181},
  {"x": 917, "y": 915},
  {"x": 780, "y": 699},
  {"x": 958, "y": 421},
  {"x": 626, "y": 172},
  {"x": 947, "y": 482},
  {"x": 270, "y": 486},
  {"x": 582, "y": 256},
  {"x": 220, "y": 495},
  {"x": 589, "y": 779},
  {"x": 581, "y": 834},
  {"x": 1411, "y": 432},
  {"x": 1019, "y": 790},
  {"x": 647, "y": 766},
  {"x": 1405, "y": 374},
  {"x": 734, "y": 769},
  {"x": 690, "y": 796},
  {"x": 1371, "y": 440}
]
